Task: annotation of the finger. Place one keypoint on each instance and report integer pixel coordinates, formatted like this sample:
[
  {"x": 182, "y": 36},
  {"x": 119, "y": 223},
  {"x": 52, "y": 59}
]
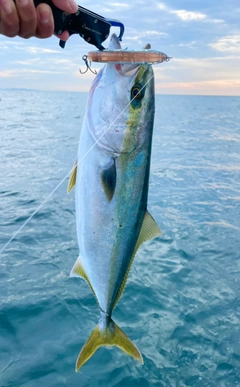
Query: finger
[
  {"x": 28, "y": 18},
  {"x": 9, "y": 21},
  {"x": 69, "y": 6},
  {"x": 64, "y": 36},
  {"x": 45, "y": 26}
]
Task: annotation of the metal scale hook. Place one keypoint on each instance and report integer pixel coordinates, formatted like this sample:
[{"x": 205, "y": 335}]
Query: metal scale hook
[{"x": 88, "y": 66}]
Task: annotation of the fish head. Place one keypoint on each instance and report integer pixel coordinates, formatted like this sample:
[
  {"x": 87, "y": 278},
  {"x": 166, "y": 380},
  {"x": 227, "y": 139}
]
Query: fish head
[{"x": 121, "y": 105}]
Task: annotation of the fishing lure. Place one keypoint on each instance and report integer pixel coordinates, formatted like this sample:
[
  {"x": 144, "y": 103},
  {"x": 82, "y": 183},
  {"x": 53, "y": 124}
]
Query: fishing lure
[
  {"x": 128, "y": 56},
  {"x": 117, "y": 56}
]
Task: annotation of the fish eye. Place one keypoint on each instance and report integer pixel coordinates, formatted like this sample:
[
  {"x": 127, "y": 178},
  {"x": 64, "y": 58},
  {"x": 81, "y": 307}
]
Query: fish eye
[{"x": 136, "y": 93}]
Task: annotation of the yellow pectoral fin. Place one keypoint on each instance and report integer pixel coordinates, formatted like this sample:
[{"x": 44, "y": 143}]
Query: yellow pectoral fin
[
  {"x": 149, "y": 230},
  {"x": 72, "y": 179},
  {"x": 111, "y": 336}
]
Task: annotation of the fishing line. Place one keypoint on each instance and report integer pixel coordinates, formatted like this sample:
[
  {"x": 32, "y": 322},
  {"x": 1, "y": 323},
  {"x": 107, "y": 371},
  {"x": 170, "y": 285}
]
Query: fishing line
[{"x": 62, "y": 181}]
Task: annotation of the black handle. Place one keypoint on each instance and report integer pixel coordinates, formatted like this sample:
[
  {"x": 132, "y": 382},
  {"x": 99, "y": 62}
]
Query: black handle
[
  {"x": 61, "y": 19},
  {"x": 93, "y": 28}
]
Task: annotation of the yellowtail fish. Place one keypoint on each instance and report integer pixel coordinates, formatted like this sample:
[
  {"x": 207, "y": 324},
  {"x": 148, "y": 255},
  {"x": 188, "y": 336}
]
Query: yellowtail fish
[{"x": 111, "y": 177}]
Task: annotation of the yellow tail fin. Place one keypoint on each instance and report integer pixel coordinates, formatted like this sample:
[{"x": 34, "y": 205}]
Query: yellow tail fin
[{"x": 110, "y": 336}]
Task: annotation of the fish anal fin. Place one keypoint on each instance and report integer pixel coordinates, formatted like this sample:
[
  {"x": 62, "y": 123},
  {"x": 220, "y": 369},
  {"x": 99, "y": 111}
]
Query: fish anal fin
[
  {"x": 78, "y": 271},
  {"x": 110, "y": 336},
  {"x": 72, "y": 179},
  {"x": 149, "y": 230},
  {"x": 109, "y": 178}
]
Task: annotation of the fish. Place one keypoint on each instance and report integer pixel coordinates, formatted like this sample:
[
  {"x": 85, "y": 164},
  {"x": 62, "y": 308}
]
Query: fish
[{"x": 111, "y": 179}]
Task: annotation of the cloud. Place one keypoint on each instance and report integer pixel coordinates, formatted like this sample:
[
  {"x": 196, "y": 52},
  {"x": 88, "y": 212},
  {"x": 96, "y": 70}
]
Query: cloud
[
  {"x": 6, "y": 74},
  {"x": 119, "y": 5},
  {"x": 150, "y": 33},
  {"x": 189, "y": 45},
  {"x": 114, "y": 7},
  {"x": 218, "y": 87},
  {"x": 182, "y": 13},
  {"x": 137, "y": 41},
  {"x": 34, "y": 71},
  {"x": 216, "y": 20},
  {"x": 144, "y": 34},
  {"x": 22, "y": 72},
  {"x": 28, "y": 62},
  {"x": 188, "y": 15},
  {"x": 227, "y": 44},
  {"x": 162, "y": 7},
  {"x": 205, "y": 68},
  {"x": 3, "y": 46},
  {"x": 204, "y": 59},
  {"x": 39, "y": 50},
  {"x": 12, "y": 45},
  {"x": 202, "y": 76}
]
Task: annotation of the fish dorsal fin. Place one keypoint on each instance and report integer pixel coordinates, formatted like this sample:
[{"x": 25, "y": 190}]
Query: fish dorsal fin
[
  {"x": 149, "y": 230},
  {"x": 109, "y": 179},
  {"x": 72, "y": 179},
  {"x": 147, "y": 47},
  {"x": 78, "y": 271}
]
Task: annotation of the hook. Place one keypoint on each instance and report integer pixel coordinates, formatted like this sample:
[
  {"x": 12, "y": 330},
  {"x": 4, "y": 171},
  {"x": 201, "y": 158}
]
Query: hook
[{"x": 88, "y": 66}]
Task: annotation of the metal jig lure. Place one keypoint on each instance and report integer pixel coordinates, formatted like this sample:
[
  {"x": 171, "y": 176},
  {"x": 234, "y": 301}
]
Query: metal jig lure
[
  {"x": 124, "y": 56},
  {"x": 128, "y": 56}
]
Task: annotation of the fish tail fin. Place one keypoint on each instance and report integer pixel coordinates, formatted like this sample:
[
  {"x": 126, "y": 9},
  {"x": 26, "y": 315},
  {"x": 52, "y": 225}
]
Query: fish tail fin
[{"x": 110, "y": 336}]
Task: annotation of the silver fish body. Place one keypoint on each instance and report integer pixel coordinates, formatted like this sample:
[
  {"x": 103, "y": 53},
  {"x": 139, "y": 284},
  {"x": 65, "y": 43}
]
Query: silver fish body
[{"x": 112, "y": 177}]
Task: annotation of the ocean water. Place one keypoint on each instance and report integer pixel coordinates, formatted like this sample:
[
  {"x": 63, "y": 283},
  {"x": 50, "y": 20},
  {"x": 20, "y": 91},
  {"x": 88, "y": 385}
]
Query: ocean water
[{"x": 181, "y": 305}]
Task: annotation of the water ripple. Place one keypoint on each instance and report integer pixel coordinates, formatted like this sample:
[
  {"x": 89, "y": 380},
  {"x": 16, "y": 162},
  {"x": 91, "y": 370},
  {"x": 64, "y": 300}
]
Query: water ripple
[{"x": 181, "y": 304}]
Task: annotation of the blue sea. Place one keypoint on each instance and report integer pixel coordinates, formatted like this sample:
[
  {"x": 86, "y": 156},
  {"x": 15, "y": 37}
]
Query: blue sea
[{"x": 181, "y": 306}]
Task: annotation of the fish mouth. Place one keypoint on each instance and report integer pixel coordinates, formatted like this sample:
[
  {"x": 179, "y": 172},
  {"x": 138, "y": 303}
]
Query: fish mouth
[
  {"x": 127, "y": 69},
  {"x": 114, "y": 43}
]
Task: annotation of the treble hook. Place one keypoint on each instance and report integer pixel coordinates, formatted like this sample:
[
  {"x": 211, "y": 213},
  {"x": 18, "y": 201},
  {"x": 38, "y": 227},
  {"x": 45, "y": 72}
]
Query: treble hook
[{"x": 88, "y": 67}]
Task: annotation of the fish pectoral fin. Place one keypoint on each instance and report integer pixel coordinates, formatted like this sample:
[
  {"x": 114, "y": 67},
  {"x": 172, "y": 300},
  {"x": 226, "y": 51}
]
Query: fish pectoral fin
[
  {"x": 109, "y": 179},
  {"x": 149, "y": 230},
  {"x": 73, "y": 178},
  {"x": 111, "y": 336}
]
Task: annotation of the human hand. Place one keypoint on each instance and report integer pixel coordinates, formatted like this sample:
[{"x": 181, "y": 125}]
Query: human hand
[{"x": 23, "y": 19}]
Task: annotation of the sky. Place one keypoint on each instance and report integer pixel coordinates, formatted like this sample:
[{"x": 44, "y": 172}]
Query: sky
[{"x": 201, "y": 36}]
